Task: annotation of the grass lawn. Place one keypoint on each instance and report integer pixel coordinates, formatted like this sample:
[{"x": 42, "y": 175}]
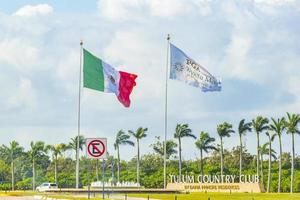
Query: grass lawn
[
  {"x": 72, "y": 197},
  {"x": 17, "y": 193},
  {"x": 54, "y": 196},
  {"x": 191, "y": 196},
  {"x": 221, "y": 196}
]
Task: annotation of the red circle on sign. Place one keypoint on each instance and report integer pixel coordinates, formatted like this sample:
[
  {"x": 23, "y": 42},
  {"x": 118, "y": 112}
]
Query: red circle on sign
[{"x": 96, "y": 151}]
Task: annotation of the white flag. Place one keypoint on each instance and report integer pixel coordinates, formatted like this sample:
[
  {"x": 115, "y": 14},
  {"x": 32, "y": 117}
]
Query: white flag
[{"x": 187, "y": 70}]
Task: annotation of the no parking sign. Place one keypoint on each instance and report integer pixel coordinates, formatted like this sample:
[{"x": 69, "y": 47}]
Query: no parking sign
[{"x": 96, "y": 148}]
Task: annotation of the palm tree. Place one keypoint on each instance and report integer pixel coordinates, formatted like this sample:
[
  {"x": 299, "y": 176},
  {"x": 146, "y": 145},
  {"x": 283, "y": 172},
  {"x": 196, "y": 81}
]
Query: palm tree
[
  {"x": 291, "y": 126},
  {"x": 57, "y": 150},
  {"x": 204, "y": 143},
  {"x": 271, "y": 139},
  {"x": 121, "y": 139},
  {"x": 259, "y": 124},
  {"x": 10, "y": 153},
  {"x": 158, "y": 147},
  {"x": 37, "y": 150},
  {"x": 265, "y": 150},
  {"x": 181, "y": 131},
  {"x": 243, "y": 128},
  {"x": 139, "y": 134},
  {"x": 278, "y": 127},
  {"x": 223, "y": 130},
  {"x": 73, "y": 145}
]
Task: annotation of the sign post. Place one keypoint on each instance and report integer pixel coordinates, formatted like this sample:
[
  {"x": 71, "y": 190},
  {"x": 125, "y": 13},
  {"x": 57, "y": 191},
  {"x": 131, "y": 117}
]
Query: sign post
[
  {"x": 96, "y": 148},
  {"x": 103, "y": 171}
]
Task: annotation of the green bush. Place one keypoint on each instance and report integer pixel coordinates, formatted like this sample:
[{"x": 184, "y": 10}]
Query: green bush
[
  {"x": 24, "y": 184},
  {"x": 5, "y": 186}
]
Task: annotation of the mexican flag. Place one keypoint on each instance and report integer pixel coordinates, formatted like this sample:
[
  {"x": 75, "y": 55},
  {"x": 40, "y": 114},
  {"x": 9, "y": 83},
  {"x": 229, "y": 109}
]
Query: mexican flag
[{"x": 98, "y": 75}]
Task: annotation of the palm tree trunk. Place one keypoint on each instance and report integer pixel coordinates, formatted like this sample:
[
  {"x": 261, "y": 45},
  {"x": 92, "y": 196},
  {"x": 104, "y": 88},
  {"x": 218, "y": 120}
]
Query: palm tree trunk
[
  {"x": 262, "y": 170},
  {"x": 241, "y": 152},
  {"x": 118, "y": 163},
  {"x": 257, "y": 157},
  {"x": 179, "y": 145},
  {"x": 280, "y": 164},
  {"x": 12, "y": 175},
  {"x": 292, "y": 167},
  {"x": 77, "y": 166},
  {"x": 55, "y": 169},
  {"x": 113, "y": 172},
  {"x": 138, "y": 162},
  {"x": 269, "y": 166},
  {"x": 221, "y": 156},
  {"x": 201, "y": 163},
  {"x": 33, "y": 174}
]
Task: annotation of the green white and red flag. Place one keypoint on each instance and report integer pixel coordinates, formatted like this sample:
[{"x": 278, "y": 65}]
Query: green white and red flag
[{"x": 98, "y": 75}]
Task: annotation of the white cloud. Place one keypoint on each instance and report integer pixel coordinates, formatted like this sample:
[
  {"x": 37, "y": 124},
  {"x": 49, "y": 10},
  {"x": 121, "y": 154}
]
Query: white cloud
[
  {"x": 240, "y": 43},
  {"x": 275, "y": 2},
  {"x": 68, "y": 70},
  {"x": 168, "y": 8},
  {"x": 273, "y": 7},
  {"x": 136, "y": 10},
  {"x": 203, "y": 6},
  {"x": 19, "y": 53},
  {"x": 131, "y": 49},
  {"x": 235, "y": 39},
  {"x": 237, "y": 57},
  {"x": 34, "y": 10},
  {"x": 23, "y": 96},
  {"x": 254, "y": 36},
  {"x": 120, "y": 9}
]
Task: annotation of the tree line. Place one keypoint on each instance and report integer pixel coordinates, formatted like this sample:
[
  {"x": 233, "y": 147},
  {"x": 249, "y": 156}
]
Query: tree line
[{"x": 44, "y": 162}]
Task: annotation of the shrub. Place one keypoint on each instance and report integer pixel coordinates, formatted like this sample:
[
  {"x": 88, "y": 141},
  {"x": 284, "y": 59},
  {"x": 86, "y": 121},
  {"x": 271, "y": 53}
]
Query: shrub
[
  {"x": 5, "y": 186},
  {"x": 25, "y": 184}
]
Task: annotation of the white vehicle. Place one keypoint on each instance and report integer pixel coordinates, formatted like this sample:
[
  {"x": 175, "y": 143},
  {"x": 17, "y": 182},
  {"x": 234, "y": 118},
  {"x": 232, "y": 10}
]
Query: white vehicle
[{"x": 46, "y": 186}]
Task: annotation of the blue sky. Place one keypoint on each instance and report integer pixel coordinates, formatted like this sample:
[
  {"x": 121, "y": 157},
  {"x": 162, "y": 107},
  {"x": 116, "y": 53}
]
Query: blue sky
[
  {"x": 253, "y": 45},
  {"x": 58, "y": 5}
]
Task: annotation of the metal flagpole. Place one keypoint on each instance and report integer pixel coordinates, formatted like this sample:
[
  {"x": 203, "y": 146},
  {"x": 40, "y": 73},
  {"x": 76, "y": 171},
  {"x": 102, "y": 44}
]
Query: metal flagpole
[
  {"x": 166, "y": 115},
  {"x": 78, "y": 122}
]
